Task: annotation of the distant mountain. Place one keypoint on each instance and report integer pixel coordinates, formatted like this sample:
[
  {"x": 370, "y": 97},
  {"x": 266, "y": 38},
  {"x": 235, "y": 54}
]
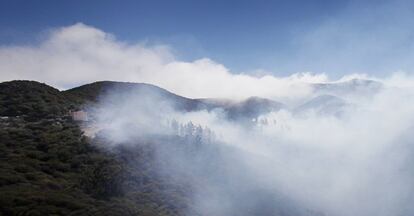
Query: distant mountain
[
  {"x": 360, "y": 86},
  {"x": 323, "y": 104},
  {"x": 37, "y": 100},
  {"x": 247, "y": 109}
]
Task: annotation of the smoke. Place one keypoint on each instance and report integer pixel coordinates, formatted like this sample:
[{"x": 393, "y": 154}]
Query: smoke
[
  {"x": 353, "y": 165},
  {"x": 79, "y": 54},
  {"x": 291, "y": 161}
]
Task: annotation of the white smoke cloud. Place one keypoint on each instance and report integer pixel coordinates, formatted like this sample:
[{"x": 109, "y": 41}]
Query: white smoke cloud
[
  {"x": 79, "y": 54},
  {"x": 354, "y": 164}
]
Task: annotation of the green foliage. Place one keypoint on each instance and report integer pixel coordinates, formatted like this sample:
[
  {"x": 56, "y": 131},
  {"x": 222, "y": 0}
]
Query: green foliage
[
  {"x": 47, "y": 167},
  {"x": 103, "y": 180},
  {"x": 32, "y": 99}
]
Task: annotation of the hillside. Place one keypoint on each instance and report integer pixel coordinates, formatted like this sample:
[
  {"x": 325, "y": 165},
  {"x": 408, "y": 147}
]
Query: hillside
[
  {"x": 38, "y": 100},
  {"x": 32, "y": 99},
  {"x": 91, "y": 93},
  {"x": 323, "y": 104},
  {"x": 48, "y": 167}
]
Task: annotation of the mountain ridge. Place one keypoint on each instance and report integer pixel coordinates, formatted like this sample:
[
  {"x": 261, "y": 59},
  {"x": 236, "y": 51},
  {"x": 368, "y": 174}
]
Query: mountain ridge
[
  {"x": 39, "y": 99},
  {"x": 90, "y": 94}
]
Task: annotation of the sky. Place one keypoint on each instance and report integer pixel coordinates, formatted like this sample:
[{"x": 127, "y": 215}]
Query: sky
[
  {"x": 237, "y": 49},
  {"x": 260, "y": 37}
]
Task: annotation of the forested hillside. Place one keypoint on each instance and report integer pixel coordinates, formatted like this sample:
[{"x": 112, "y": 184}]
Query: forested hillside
[
  {"x": 48, "y": 167},
  {"x": 29, "y": 98}
]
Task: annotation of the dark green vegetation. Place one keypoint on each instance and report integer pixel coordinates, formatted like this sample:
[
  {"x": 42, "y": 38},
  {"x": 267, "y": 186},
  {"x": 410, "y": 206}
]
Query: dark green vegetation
[
  {"x": 32, "y": 99},
  {"x": 35, "y": 100},
  {"x": 48, "y": 167}
]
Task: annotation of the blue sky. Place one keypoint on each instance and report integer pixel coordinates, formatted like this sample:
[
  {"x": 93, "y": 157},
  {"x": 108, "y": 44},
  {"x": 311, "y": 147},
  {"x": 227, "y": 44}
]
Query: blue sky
[{"x": 281, "y": 37}]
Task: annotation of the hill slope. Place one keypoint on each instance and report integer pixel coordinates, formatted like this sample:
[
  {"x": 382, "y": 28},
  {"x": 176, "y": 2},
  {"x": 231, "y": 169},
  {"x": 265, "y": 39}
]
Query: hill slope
[
  {"x": 31, "y": 98},
  {"x": 47, "y": 166},
  {"x": 93, "y": 92}
]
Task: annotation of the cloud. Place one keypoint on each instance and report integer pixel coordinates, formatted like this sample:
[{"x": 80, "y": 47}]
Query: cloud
[
  {"x": 357, "y": 164},
  {"x": 79, "y": 54}
]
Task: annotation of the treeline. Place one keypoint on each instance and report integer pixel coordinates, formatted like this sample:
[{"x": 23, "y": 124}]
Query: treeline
[{"x": 193, "y": 132}]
